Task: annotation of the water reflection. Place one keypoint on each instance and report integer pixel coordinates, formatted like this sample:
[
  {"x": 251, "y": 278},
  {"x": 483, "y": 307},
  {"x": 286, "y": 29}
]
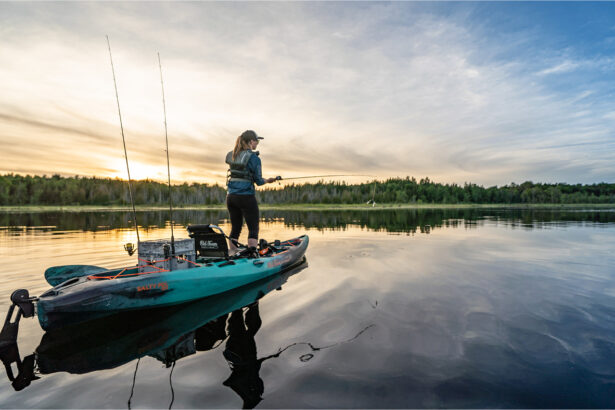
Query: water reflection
[
  {"x": 388, "y": 220},
  {"x": 494, "y": 308},
  {"x": 240, "y": 352},
  {"x": 167, "y": 334}
]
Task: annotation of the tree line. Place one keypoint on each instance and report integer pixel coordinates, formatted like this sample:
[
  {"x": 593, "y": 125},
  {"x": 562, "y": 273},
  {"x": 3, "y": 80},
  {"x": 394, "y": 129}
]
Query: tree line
[{"x": 58, "y": 190}]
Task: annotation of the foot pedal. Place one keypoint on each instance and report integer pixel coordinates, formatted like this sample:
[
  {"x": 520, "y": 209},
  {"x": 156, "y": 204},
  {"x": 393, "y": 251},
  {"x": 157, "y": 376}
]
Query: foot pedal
[
  {"x": 22, "y": 298},
  {"x": 25, "y": 308}
]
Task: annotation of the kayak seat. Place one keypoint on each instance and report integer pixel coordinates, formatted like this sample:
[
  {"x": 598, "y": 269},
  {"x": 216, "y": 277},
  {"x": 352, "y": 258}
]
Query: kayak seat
[{"x": 207, "y": 242}]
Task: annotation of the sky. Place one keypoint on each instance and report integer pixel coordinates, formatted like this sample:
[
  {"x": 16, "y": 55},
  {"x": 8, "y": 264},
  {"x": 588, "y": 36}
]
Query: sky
[{"x": 482, "y": 92}]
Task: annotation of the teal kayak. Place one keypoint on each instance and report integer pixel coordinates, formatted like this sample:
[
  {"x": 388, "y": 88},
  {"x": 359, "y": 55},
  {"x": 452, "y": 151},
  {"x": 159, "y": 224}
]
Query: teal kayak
[
  {"x": 167, "y": 334},
  {"x": 113, "y": 341},
  {"x": 103, "y": 292}
]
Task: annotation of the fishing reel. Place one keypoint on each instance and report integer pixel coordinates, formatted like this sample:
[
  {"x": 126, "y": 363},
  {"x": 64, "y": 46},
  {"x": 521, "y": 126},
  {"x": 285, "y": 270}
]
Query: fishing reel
[
  {"x": 264, "y": 248},
  {"x": 130, "y": 248}
]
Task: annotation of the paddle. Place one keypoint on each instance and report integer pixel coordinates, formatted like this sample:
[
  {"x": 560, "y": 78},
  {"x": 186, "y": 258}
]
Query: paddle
[{"x": 58, "y": 274}]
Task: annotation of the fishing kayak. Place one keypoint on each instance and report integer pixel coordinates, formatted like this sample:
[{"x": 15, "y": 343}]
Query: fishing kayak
[
  {"x": 113, "y": 341},
  {"x": 98, "y": 292},
  {"x": 167, "y": 334}
]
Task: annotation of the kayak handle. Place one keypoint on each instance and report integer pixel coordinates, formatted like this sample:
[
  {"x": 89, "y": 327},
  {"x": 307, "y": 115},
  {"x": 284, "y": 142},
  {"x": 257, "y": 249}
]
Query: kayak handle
[{"x": 218, "y": 228}]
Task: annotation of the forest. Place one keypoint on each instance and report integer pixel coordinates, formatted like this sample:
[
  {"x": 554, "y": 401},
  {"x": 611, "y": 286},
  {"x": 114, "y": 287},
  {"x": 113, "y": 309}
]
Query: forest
[{"x": 16, "y": 190}]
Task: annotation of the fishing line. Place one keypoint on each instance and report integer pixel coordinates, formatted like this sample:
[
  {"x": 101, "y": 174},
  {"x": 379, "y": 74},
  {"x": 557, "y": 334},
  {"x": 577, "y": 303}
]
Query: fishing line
[
  {"x": 166, "y": 137},
  {"x": 373, "y": 200},
  {"x": 134, "y": 378},
  {"x": 171, "y": 384},
  {"x": 306, "y": 357},
  {"x": 132, "y": 201}
]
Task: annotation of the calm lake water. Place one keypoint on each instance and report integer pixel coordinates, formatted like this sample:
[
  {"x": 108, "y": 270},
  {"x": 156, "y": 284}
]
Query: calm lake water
[{"x": 396, "y": 309}]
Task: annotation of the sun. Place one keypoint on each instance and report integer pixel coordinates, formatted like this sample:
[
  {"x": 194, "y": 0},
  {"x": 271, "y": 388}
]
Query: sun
[{"x": 138, "y": 171}]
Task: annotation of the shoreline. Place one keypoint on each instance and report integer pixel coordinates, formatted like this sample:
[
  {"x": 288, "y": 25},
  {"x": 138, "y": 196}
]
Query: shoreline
[{"x": 294, "y": 207}]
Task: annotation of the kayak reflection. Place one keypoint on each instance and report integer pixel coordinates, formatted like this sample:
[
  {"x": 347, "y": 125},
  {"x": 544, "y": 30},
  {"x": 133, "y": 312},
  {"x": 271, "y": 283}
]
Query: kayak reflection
[{"x": 167, "y": 334}]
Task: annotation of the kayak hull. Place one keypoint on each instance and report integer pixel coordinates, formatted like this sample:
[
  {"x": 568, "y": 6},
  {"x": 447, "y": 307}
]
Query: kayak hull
[
  {"x": 113, "y": 341},
  {"x": 84, "y": 298}
]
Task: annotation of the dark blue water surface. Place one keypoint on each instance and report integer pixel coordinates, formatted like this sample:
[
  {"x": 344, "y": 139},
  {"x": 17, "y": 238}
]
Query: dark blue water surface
[{"x": 450, "y": 308}]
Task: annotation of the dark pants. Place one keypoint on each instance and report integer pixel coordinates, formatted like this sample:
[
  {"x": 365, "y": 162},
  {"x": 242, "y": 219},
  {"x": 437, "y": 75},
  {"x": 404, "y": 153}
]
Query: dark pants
[{"x": 242, "y": 207}]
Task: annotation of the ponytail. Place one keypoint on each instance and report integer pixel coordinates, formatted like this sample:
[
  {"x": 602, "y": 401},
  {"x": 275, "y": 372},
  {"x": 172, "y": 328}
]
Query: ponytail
[{"x": 242, "y": 144}]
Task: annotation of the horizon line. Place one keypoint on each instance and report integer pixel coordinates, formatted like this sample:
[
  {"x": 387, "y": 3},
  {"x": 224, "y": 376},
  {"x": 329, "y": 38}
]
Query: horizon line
[{"x": 377, "y": 179}]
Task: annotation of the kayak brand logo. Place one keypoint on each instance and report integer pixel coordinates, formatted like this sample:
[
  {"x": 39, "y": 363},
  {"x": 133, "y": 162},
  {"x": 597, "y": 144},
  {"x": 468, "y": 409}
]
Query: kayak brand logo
[
  {"x": 278, "y": 262},
  {"x": 208, "y": 245},
  {"x": 160, "y": 285}
]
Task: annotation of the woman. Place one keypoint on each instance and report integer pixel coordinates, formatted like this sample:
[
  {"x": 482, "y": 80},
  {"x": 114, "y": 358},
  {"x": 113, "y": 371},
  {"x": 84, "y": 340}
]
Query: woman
[{"x": 244, "y": 171}]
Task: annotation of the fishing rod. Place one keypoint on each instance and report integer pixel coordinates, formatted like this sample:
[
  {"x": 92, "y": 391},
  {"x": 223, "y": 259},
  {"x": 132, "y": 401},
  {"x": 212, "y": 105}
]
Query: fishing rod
[
  {"x": 321, "y": 176},
  {"x": 166, "y": 137},
  {"x": 129, "y": 247},
  {"x": 371, "y": 201}
]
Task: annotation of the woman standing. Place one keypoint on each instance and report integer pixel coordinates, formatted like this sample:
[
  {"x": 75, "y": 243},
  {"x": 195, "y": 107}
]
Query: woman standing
[{"x": 244, "y": 171}]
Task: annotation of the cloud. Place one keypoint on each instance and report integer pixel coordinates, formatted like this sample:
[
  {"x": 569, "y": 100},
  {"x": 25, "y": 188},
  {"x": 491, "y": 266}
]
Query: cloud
[
  {"x": 564, "y": 67},
  {"x": 50, "y": 127},
  {"x": 378, "y": 88}
]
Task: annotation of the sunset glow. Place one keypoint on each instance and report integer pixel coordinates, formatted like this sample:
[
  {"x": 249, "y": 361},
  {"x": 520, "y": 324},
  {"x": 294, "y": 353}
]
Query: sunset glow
[{"x": 485, "y": 92}]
